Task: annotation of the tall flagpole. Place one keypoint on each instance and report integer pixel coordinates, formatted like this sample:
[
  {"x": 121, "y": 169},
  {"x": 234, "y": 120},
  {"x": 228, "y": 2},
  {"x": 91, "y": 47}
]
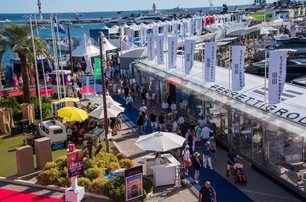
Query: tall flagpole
[
  {"x": 229, "y": 67},
  {"x": 55, "y": 59},
  {"x": 265, "y": 82},
  {"x": 60, "y": 57},
  {"x": 36, "y": 71}
]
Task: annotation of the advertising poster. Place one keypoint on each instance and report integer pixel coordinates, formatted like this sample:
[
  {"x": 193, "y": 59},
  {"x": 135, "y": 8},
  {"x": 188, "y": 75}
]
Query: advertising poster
[
  {"x": 238, "y": 81},
  {"x": 189, "y": 47},
  {"x": 75, "y": 163},
  {"x": 210, "y": 53},
  {"x": 133, "y": 183}
]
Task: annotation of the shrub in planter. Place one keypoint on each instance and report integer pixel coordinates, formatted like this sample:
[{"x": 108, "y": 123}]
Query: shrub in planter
[
  {"x": 147, "y": 186},
  {"x": 121, "y": 156},
  {"x": 85, "y": 182},
  {"x": 109, "y": 157},
  {"x": 93, "y": 173},
  {"x": 61, "y": 162},
  {"x": 126, "y": 163},
  {"x": 50, "y": 165},
  {"x": 47, "y": 177},
  {"x": 88, "y": 163},
  {"x": 63, "y": 182},
  {"x": 97, "y": 186},
  {"x": 64, "y": 172},
  {"x": 114, "y": 189},
  {"x": 112, "y": 167}
]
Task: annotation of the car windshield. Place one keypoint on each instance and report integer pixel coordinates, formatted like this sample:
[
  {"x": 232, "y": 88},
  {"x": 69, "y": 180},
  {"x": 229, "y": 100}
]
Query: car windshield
[{"x": 58, "y": 131}]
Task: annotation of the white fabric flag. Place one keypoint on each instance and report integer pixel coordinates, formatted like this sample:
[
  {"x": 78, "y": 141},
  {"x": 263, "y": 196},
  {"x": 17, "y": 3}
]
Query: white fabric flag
[
  {"x": 172, "y": 51},
  {"x": 175, "y": 28},
  {"x": 130, "y": 33},
  {"x": 150, "y": 47},
  {"x": 189, "y": 48},
  {"x": 160, "y": 49},
  {"x": 143, "y": 32},
  {"x": 155, "y": 30},
  {"x": 199, "y": 26},
  {"x": 184, "y": 29},
  {"x": 165, "y": 31},
  {"x": 277, "y": 75},
  {"x": 204, "y": 22},
  {"x": 191, "y": 27},
  {"x": 238, "y": 55},
  {"x": 210, "y": 61}
]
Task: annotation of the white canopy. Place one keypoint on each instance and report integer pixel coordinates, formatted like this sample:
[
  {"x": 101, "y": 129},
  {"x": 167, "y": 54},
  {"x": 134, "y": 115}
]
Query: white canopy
[
  {"x": 99, "y": 112},
  {"x": 86, "y": 48}
]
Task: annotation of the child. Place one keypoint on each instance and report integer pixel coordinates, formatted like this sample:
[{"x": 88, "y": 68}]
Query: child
[{"x": 197, "y": 166}]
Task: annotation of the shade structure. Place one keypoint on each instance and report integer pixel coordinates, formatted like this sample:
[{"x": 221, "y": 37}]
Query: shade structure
[
  {"x": 99, "y": 101},
  {"x": 73, "y": 114},
  {"x": 70, "y": 99},
  {"x": 160, "y": 141},
  {"x": 86, "y": 48},
  {"x": 99, "y": 112}
]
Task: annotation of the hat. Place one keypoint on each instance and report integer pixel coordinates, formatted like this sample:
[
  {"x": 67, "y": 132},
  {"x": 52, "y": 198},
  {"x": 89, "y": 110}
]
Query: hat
[
  {"x": 196, "y": 154},
  {"x": 187, "y": 146},
  {"x": 208, "y": 142}
]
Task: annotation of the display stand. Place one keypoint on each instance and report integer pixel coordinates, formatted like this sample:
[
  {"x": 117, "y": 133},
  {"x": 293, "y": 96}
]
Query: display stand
[{"x": 74, "y": 193}]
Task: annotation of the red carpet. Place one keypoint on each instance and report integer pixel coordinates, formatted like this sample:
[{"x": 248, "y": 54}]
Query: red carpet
[
  {"x": 43, "y": 92},
  {"x": 14, "y": 196}
]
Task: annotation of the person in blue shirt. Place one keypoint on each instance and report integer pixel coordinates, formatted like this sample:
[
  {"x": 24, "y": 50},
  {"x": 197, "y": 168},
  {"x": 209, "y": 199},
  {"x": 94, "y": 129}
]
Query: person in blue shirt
[
  {"x": 206, "y": 151},
  {"x": 231, "y": 160}
]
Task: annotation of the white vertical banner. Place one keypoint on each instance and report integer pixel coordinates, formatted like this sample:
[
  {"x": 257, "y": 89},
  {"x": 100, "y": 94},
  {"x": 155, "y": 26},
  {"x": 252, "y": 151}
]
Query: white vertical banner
[
  {"x": 189, "y": 47},
  {"x": 172, "y": 51},
  {"x": 199, "y": 26},
  {"x": 150, "y": 47},
  {"x": 175, "y": 28},
  {"x": 191, "y": 27},
  {"x": 130, "y": 33},
  {"x": 184, "y": 29},
  {"x": 210, "y": 61},
  {"x": 143, "y": 32},
  {"x": 204, "y": 24},
  {"x": 165, "y": 32},
  {"x": 238, "y": 55},
  {"x": 277, "y": 75},
  {"x": 155, "y": 30},
  {"x": 160, "y": 49}
]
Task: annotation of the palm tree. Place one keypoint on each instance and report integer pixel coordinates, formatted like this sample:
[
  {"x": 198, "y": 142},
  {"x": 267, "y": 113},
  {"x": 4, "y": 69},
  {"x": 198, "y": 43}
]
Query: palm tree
[{"x": 18, "y": 38}]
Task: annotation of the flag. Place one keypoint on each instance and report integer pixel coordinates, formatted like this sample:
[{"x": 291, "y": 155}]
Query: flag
[
  {"x": 189, "y": 47},
  {"x": 210, "y": 61},
  {"x": 155, "y": 30},
  {"x": 172, "y": 51},
  {"x": 150, "y": 47},
  {"x": 277, "y": 75},
  {"x": 238, "y": 81},
  {"x": 191, "y": 27},
  {"x": 58, "y": 27},
  {"x": 130, "y": 33},
  {"x": 143, "y": 32},
  {"x": 165, "y": 31},
  {"x": 175, "y": 28},
  {"x": 184, "y": 29},
  {"x": 199, "y": 26},
  {"x": 160, "y": 49}
]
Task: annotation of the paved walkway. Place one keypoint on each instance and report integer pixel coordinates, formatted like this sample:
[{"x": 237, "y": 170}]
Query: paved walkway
[{"x": 258, "y": 188}]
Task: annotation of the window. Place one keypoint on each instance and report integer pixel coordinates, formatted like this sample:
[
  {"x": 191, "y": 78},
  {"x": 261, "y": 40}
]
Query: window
[{"x": 58, "y": 131}]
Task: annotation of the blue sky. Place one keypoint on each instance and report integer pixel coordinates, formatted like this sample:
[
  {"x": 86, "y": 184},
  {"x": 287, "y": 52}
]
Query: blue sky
[{"x": 30, "y": 6}]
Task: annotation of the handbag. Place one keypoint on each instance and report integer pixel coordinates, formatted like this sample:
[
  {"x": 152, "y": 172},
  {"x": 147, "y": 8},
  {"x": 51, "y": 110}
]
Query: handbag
[{"x": 187, "y": 163}]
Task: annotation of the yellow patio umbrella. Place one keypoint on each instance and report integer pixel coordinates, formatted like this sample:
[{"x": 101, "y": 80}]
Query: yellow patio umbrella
[
  {"x": 70, "y": 99},
  {"x": 73, "y": 114}
]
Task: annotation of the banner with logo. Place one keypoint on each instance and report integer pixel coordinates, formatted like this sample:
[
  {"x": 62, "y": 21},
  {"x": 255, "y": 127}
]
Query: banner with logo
[
  {"x": 130, "y": 33},
  {"x": 160, "y": 49},
  {"x": 210, "y": 61},
  {"x": 175, "y": 28},
  {"x": 98, "y": 73},
  {"x": 277, "y": 75},
  {"x": 143, "y": 32},
  {"x": 189, "y": 47},
  {"x": 172, "y": 51},
  {"x": 238, "y": 55},
  {"x": 150, "y": 47},
  {"x": 75, "y": 163},
  {"x": 133, "y": 183}
]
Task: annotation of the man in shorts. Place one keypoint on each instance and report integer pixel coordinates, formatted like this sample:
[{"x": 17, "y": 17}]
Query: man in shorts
[{"x": 207, "y": 193}]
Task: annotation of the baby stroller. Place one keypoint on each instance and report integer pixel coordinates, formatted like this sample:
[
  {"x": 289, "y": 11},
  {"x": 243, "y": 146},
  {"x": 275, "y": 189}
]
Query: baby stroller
[{"x": 239, "y": 176}]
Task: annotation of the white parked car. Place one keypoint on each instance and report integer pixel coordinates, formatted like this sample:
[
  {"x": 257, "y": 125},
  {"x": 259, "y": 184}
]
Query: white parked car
[{"x": 53, "y": 130}]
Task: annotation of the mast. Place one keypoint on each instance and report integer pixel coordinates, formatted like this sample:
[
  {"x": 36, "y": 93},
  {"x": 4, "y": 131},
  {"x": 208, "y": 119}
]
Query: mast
[{"x": 39, "y": 10}]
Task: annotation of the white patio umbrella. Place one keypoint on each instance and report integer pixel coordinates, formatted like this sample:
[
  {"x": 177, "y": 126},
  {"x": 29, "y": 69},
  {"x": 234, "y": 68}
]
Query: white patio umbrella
[
  {"x": 160, "y": 141},
  {"x": 99, "y": 112},
  {"x": 99, "y": 100}
]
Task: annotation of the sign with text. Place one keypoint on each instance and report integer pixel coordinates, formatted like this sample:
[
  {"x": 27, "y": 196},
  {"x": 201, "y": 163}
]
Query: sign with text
[
  {"x": 172, "y": 51},
  {"x": 150, "y": 47},
  {"x": 189, "y": 47},
  {"x": 238, "y": 81},
  {"x": 75, "y": 163},
  {"x": 160, "y": 49},
  {"x": 210, "y": 61},
  {"x": 133, "y": 183}
]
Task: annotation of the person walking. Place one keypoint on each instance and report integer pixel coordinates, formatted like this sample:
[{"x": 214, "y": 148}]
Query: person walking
[
  {"x": 207, "y": 155},
  {"x": 129, "y": 101},
  {"x": 161, "y": 121},
  {"x": 186, "y": 159},
  {"x": 207, "y": 193},
  {"x": 197, "y": 165},
  {"x": 205, "y": 134},
  {"x": 231, "y": 160},
  {"x": 153, "y": 121},
  {"x": 139, "y": 122}
]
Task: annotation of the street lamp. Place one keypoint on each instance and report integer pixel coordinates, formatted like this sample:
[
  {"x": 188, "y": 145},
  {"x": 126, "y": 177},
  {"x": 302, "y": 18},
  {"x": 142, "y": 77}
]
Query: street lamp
[{"x": 104, "y": 92}]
